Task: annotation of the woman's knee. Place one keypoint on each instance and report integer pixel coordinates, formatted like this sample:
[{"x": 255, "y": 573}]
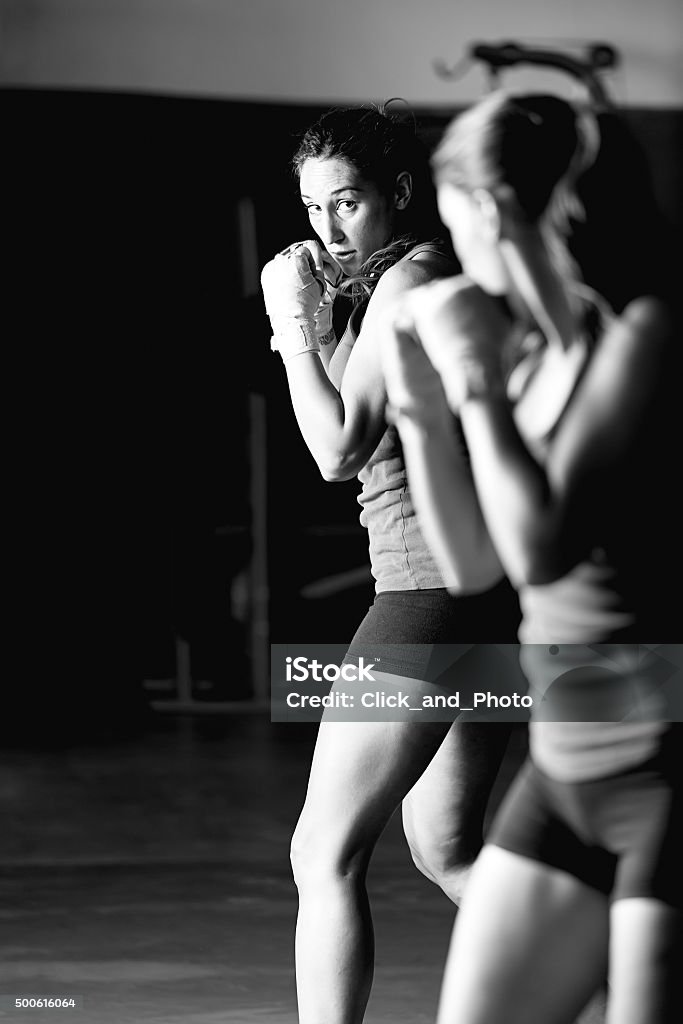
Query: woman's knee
[
  {"x": 422, "y": 865},
  {"x": 441, "y": 862},
  {"x": 439, "y": 854},
  {"x": 322, "y": 855}
]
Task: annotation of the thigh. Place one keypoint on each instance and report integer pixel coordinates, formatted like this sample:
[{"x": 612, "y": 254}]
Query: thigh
[
  {"x": 646, "y": 956},
  {"x": 361, "y": 772},
  {"x": 529, "y": 945},
  {"x": 460, "y": 776},
  {"x": 639, "y": 815}
]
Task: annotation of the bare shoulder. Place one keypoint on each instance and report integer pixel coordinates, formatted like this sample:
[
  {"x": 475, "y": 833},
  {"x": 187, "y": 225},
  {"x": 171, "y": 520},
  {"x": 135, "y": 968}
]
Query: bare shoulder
[
  {"x": 408, "y": 274},
  {"x": 640, "y": 337},
  {"x": 645, "y": 321},
  {"x": 633, "y": 362},
  {"x": 439, "y": 263}
]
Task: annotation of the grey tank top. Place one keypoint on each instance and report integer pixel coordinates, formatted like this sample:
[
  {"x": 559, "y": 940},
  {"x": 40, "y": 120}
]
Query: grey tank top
[{"x": 399, "y": 556}]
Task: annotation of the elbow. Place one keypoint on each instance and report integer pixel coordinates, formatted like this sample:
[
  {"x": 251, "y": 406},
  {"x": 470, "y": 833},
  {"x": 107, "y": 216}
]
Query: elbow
[
  {"x": 523, "y": 570},
  {"x": 536, "y": 568},
  {"x": 530, "y": 576},
  {"x": 472, "y": 579},
  {"x": 337, "y": 470},
  {"x": 343, "y": 456},
  {"x": 473, "y": 571},
  {"x": 334, "y": 476},
  {"x": 539, "y": 553},
  {"x": 340, "y": 464}
]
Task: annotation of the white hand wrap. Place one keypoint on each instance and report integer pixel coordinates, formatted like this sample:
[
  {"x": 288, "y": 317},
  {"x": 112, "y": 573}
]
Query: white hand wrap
[
  {"x": 292, "y": 290},
  {"x": 292, "y": 336}
]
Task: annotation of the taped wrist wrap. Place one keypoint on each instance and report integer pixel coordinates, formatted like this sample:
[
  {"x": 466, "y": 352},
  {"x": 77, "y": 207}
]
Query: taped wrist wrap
[{"x": 292, "y": 337}]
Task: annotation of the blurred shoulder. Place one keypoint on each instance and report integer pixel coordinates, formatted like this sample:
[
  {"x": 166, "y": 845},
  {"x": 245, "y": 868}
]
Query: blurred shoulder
[
  {"x": 649, "y": 316},
  {"x": 639, "y": 355},
  {"x": 644, "y": 330}
]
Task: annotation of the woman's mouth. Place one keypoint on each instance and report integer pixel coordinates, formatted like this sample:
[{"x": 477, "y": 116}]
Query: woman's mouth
[{"x": 344, "y": 257}]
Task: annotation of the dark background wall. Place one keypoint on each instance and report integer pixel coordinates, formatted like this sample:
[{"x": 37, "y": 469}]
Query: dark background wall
[{"x": 131, "y": 352}]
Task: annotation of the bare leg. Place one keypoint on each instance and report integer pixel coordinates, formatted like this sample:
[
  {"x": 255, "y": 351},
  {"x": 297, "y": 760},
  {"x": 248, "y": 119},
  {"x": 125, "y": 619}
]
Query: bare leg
[
  {"x": 529, "y": 945},
  {"x": 360, "y": 773},
  {"x": 443, "y": 815},
  {"x": 646, "y": 961}
]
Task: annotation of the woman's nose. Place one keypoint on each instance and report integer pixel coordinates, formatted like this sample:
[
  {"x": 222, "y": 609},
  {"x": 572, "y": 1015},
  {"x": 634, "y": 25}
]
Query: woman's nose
[{"x": 331, "y": 230}]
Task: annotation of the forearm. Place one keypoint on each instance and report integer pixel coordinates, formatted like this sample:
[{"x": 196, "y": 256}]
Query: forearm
[
  {"x": 320, "y": 414},
  {"x": 520, "y": 510},
  {"x": 448, "y": 511},
  {"x": 328, "y": 347},
  {"x": 337, "y": 364}
]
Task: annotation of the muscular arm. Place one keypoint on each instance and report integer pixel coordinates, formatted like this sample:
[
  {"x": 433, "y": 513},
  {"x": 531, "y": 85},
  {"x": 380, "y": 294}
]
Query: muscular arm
[
  {"x": 343, "y": 427},
  {"x": 436, "y": 462},
  {"x": 540, "y": 517}
]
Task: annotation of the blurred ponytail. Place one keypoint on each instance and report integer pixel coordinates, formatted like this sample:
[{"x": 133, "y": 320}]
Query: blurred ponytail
[{"x": 581, "y": 177}]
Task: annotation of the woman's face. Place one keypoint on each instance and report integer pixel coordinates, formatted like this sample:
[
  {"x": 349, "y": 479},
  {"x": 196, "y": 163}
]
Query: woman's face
[
  {"x": 349, "y": 214},
  {"x": 474, "y": 238}
]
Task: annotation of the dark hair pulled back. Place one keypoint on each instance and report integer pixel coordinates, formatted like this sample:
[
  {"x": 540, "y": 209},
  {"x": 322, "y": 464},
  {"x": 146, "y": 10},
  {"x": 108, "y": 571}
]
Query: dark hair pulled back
[{"x": 380, "y": 145}]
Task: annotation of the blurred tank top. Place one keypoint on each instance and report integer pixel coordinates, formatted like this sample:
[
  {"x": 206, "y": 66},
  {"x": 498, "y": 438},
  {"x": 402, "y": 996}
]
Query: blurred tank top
[
  {"x": 399, "y": 556},
  {"x": 608, "y": 598}
]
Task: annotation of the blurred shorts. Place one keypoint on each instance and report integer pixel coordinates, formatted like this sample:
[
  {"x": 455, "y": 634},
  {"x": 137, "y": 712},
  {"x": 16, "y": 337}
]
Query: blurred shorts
[{"x": 622, "y": 834}]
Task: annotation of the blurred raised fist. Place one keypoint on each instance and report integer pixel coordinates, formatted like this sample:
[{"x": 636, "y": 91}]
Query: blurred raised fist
[{"x": 462, "y": 329}]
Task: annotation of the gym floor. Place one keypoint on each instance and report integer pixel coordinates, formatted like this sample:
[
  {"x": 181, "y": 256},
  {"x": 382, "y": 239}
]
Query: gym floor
[{"x": 148, "y": 877}]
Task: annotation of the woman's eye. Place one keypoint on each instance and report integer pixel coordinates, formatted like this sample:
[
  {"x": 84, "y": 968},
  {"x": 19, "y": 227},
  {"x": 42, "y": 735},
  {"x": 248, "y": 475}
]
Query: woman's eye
[
  {"x": 311, "y": 210},
  {"x": 346, "y": 205}
]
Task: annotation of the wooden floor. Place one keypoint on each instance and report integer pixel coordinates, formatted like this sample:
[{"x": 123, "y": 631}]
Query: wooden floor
[{"x": 149, "y": 877}]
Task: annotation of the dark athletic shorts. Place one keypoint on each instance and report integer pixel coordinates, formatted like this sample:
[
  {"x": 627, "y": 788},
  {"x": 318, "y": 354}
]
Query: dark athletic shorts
[
  {"x": 622, "y": 835},
  {"x": 413, "y": 629}
]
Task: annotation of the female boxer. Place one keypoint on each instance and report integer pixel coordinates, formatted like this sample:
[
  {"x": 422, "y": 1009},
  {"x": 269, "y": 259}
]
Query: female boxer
[{"x": 366, "y": 187}]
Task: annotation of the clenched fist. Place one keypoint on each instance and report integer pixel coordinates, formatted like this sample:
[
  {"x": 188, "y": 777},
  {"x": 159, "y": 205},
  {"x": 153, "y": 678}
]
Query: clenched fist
[
  {"x": 298, "y": 294},
  {"x": 414, "y": 388},
  {"x": 463, "y": 330},
  {"x": 292, "y": 286}
]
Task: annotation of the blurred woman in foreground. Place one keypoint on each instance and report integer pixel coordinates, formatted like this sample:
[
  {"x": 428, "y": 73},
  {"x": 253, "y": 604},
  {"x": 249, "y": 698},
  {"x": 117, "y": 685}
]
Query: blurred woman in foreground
[{"x": 566, "y": 411}]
